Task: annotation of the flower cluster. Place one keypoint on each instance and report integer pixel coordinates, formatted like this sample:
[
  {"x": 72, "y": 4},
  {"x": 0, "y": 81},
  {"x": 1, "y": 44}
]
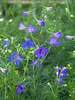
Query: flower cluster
[
  {"x": 62, "y": 74},
  {"x": 32, "y": 52},
  {"x": 40, "y": 53}
]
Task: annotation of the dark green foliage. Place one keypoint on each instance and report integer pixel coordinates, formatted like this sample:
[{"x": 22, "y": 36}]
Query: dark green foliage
[{"x": 63, "y": 94}]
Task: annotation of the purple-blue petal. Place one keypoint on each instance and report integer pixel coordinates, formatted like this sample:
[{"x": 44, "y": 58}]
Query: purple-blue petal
[
  {"x": 64, "y": 71},
  {"x": 28, "y": 44},
  {"x": 57, "y": 43},
  {"x": 61, "y": 80},
  {"x": 58, "y": 35},
  {"x": 41, "y": 52},
  {"x": 41, "y": 22},
  {"x": 53, "y": 40},
  {"x": 20, "y": 89},
  {"x": 31, "y": 29},
  {"x": 21, "y": 26},
  {"x": 12, "y": 57}
]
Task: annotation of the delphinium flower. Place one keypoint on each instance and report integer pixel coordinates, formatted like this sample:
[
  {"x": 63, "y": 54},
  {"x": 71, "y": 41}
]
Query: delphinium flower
[
  {"x": 20, "y": 89},
  {"x": 28, "y": 44},
  {"x": 41, "y": 22},
  {"x": 54, "y": 40},
  {"x": 15, "y": 58},
  {"x": 31, "y": 29},
  {"x": 62, "y": 74},
  {"x": 6, "y": 43},
  {"x": 58, "y": 35},
  {"x": 21, "y": 26},
  {"x": 41, "y": 52}
]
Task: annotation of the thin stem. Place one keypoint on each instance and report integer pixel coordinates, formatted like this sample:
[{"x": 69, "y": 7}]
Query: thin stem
[
  {"x": 34, "y": 86},
  {"x": 51, "y": 89},
  {"x": 5, "y": 88},
  {"x": 25, "y": 69},
  {"x": 67, "y": 4}
]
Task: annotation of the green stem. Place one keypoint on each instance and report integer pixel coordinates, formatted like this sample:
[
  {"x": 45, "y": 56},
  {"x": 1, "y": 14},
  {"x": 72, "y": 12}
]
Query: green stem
[
  {"x": 25, "y": 69},
  {"x": 67, "y": 4},
  {"x": 5, "y": 88},
  {"x": 51, "y": 89}
]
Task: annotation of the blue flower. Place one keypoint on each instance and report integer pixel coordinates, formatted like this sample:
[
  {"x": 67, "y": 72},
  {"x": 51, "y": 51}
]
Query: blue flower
[
  {"x": 31, "y": 29},
  {"x": 64, "y": 70},
  {"x": 55, "y": 42},
  {"x": 28, "y": 44},
  {"x": 58, "y": 43},
  {"x": 15, "y": 58},
  {"x": 21, "y": 26},
  {"x": 58, "y": 35},
  {"x": 62, "y": 74},
  {"x": 6, "y": 43},
  {"x": 20, "y": 89},
  {"x": 41, "y": 22},
  {"x": 41, "y": 52}
]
